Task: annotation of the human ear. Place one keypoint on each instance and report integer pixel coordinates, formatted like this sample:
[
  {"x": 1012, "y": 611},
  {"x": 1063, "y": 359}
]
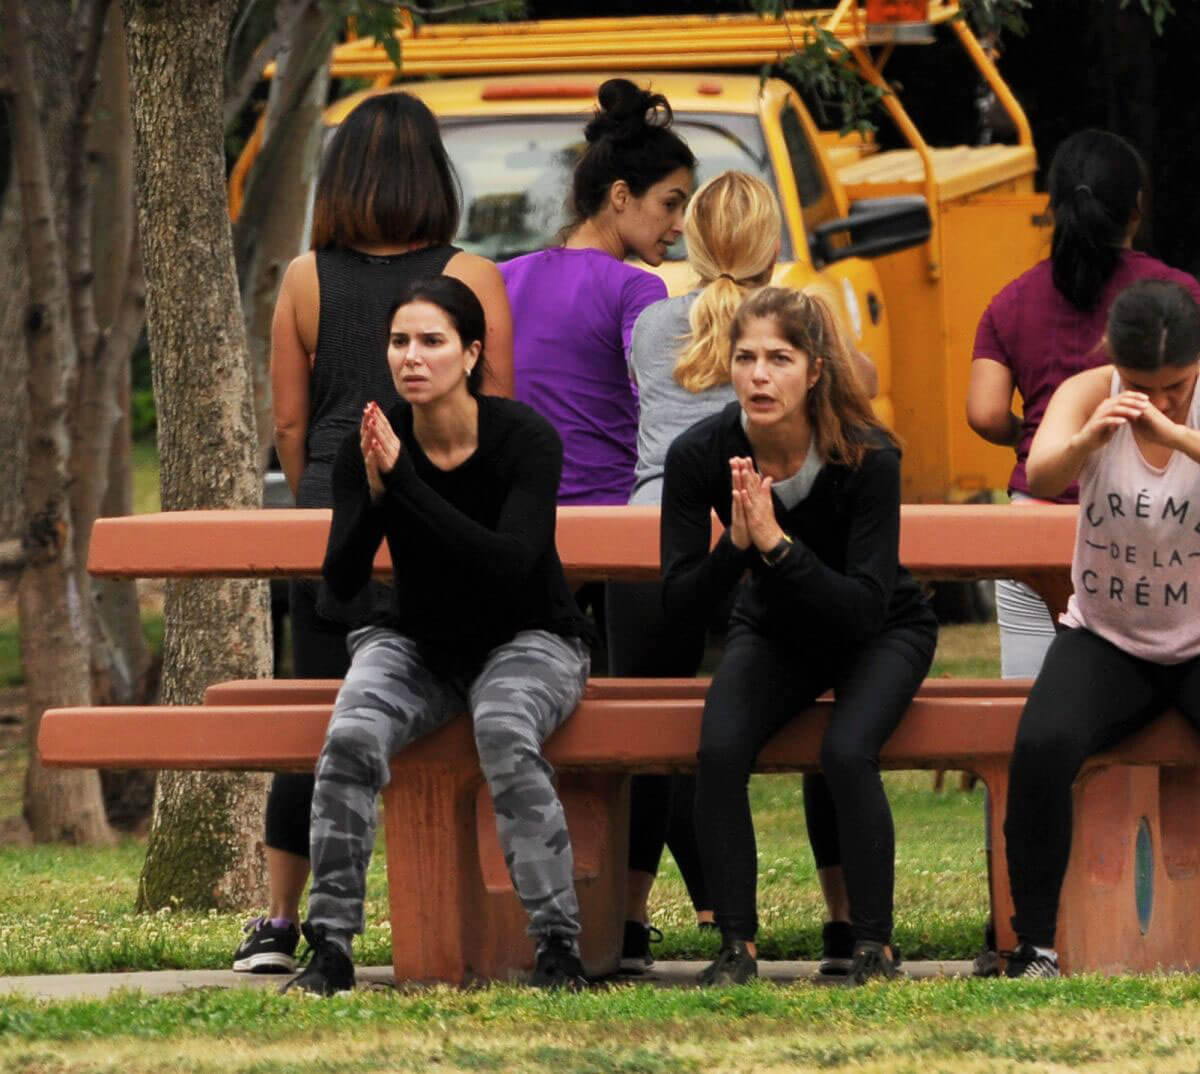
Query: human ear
[{"x": 619, "y": 195}]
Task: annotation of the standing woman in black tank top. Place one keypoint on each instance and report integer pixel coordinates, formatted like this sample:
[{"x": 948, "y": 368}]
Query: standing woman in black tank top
[{"x": 387, "y": 207}]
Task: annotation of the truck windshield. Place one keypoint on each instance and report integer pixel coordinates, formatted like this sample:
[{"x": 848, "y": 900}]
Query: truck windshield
[{"x": 516, "y": 173}]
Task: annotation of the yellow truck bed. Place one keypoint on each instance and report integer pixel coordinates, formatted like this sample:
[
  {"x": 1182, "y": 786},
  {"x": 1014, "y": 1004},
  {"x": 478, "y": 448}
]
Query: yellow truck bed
[{"x": 958, "y": 171}]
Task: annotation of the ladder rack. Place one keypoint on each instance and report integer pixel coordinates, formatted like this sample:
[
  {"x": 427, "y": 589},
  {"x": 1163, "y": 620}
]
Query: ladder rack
[{"x": 647, "y": 42}]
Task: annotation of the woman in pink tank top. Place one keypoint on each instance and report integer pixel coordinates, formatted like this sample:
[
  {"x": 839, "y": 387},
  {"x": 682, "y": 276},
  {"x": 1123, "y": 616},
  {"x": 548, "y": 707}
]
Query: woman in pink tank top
[{"x": 1129, "y": 433}]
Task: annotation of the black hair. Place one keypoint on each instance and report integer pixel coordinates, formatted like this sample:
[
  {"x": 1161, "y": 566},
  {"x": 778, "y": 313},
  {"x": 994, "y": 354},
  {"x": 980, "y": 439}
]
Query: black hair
[
  {"x": 629, "y": 138},
  {"x": 386, "y": 178},
  {"x": 1153, "y": 323},
  {"x": 1094, "y": 181},
  {"x": 459, "y": 303}
]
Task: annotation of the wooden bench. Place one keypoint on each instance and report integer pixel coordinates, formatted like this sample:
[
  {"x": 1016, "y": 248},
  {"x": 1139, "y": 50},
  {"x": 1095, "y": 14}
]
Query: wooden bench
[{"x": 454, "y": 914}]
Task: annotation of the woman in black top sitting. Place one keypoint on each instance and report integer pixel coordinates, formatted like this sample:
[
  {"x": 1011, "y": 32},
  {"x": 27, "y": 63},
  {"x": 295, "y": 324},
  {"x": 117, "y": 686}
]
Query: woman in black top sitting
[
  {"x": 807, "y": 483},
  {"x": 463, "y": 488}
]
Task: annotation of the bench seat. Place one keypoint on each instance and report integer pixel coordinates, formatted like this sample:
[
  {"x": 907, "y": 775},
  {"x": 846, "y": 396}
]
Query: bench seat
[{"x": 447, "y": 881}]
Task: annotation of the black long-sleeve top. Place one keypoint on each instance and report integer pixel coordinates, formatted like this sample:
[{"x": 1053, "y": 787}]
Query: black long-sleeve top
[
  {"x": 473, "y": 554},
  {"x": 841, "y": 583}
]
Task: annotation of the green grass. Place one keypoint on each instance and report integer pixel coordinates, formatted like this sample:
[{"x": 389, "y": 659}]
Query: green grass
[
  {"x": 1085, "y": 1023},
  {"x": 69, "y": 909}
]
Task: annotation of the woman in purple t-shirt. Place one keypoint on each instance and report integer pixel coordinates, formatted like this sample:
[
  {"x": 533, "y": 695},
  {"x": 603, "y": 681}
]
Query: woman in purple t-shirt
[
  {"x": 574, "y": 305},
  {"x": 1046, "y": 326}
]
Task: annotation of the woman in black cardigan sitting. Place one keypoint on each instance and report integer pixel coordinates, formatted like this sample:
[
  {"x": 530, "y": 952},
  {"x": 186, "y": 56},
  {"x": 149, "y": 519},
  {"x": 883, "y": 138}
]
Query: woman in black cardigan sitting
[
  {"x": 807, "y": 483},
  {"x": 463, "y": 488}
]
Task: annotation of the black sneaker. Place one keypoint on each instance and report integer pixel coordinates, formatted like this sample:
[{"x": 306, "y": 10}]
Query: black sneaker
[
  {"x": 734, "y": 965},
  {"x": 871, "y": 960},
  {"x": 635, "y": 949},
  {"x": 330, "y": 971},
  {"x": 267, "y": 948},
  {"x": 837, "y": 949},
  {"x": 558, "y": 965},
  {"x": 1026, "y": 962}
]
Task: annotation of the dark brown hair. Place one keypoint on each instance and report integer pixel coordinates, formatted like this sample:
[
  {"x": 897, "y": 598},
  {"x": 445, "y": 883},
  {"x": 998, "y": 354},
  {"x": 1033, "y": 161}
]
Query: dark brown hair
[
  {"x": 1152, "y": 324},
  {"x": 386, "y": 178},
  {"x": 838, "y": 408},
  {"x": 628, "y": 137}
]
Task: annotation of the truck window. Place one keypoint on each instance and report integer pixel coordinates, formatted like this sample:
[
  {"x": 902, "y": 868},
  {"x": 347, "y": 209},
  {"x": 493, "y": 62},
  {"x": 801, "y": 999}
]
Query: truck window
[
  {"x": 516, "y": 173},
  {"x": 815, "y": 199}
]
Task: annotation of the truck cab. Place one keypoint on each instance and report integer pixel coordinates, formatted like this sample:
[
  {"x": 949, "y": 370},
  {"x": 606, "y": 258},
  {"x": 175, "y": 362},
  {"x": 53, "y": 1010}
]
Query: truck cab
[{"x": 909, "y": 243}]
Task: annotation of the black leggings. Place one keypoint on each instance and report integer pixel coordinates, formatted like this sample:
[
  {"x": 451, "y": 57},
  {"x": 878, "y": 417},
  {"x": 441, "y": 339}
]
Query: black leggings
[
  {"x": 762, "y": 683},
  {"x": 318, "y": 652},
  {"x": 641, "y": 644},
  {"x": 1088, "y": 696}
]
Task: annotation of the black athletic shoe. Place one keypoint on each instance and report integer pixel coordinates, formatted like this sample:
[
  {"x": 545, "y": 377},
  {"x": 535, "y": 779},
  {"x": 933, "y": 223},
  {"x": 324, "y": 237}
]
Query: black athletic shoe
[
  {"x": 837, "y": 949},
  {"x": 734, "y": 965},
  {"x": 330, "y": 971},
  {"x": 267, "y": 948},
  {"x": 1026, "y": 962},
  {"x": 871, "y": 960},
  {"x": 635, "y": 949},
  {"x": 558, "y": 965}
]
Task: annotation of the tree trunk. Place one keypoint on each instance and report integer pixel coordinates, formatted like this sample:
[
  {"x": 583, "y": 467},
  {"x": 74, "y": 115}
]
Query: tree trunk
[
  {"x": 123, "y": 671},
  {"x": 205, "y": 847},
  {"x": 53, "y": 622},
  {"x": 270, "y": 229}
]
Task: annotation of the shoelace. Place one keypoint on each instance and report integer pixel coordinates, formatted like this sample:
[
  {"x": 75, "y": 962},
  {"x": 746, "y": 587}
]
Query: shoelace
[{"x": 253, "y": 925}]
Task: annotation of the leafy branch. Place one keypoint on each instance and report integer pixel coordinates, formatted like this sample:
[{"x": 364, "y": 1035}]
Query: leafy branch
[{"x": 825, "y": 70}]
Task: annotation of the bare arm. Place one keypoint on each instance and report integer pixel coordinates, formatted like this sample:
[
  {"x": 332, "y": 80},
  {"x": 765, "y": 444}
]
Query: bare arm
[
  {"x": 1081, "y": 418},
  {"x": 989, "y": 403},
  {"x": 479, "y": 274},
  {"x": 290, "y": 366}
]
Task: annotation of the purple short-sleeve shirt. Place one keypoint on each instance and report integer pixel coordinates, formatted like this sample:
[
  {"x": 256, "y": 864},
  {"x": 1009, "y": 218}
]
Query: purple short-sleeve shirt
[
  {"x": 1031, "y": 328},
  {"x": 573, "y": 314}
]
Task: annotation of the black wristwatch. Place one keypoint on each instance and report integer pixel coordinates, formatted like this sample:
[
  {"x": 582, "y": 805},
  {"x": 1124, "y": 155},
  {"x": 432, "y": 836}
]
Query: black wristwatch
[{"x": 776, "y": 555}]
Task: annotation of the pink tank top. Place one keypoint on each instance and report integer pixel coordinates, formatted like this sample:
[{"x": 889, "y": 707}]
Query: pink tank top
[{"x": 1136, "y": 570}]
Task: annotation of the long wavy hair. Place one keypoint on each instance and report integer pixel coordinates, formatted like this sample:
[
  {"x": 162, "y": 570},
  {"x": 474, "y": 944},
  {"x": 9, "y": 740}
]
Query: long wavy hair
[
  {"x": 732, "y": 228},
  {"x": 838, "y": 409}
]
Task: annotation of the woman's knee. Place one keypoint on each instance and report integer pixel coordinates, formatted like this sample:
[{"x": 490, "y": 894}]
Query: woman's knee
[
  {"x": 845, "y": 756},
  {"x": 353, "y": 753}
]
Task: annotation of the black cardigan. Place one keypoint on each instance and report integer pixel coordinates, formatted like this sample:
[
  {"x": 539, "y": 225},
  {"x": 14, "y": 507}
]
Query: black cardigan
[
  {"x": 473, "y": 554},
  {"x": 842, "y": 582}
]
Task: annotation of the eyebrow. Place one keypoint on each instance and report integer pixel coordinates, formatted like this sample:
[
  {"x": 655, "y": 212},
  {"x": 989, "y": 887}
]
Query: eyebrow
[{"x": 678, "y": 190}]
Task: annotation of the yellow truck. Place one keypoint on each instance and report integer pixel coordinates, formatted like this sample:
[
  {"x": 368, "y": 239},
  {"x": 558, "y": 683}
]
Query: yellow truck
[{"x": 911, "y": 242}]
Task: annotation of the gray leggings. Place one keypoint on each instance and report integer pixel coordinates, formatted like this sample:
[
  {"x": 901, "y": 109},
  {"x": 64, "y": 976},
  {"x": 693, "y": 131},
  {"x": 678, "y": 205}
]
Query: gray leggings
[{"x": 526, "y": 688}]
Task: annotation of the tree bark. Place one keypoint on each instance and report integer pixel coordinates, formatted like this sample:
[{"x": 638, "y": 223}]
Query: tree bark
[
  {"x": 270, "y": 229},
  {"x": 205, "y": 848},
  {"x": 59, "y": 804}
]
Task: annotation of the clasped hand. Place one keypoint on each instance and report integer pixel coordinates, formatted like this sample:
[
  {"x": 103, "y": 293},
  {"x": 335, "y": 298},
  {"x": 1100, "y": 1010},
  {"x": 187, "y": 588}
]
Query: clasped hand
[
  {"x": 380, "y": 447},
  {"x": 1127, "y": 408},
  {"x": 752, "y": 511}
]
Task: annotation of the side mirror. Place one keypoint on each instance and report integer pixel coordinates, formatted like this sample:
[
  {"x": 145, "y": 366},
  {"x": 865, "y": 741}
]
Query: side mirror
[{"x": 876, "y": 226}]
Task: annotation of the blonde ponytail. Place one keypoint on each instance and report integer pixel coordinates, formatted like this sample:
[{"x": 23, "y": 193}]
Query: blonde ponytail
[{"x": 732, "y": 227}]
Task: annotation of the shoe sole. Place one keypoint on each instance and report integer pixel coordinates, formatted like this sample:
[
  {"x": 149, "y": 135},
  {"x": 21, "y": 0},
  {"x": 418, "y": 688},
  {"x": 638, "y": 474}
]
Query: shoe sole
[
  {"x": 635, "y": 965},
  {"x": 265, "y": 962},
  {"x": 835, "y": 967}
]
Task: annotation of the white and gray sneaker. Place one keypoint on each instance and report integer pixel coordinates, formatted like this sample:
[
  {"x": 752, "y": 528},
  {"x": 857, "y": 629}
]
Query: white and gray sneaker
[{"x": 1030, "y": 962}]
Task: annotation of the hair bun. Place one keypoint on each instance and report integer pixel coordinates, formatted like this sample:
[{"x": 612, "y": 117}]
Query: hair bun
[{"x": 627, "y": 111}]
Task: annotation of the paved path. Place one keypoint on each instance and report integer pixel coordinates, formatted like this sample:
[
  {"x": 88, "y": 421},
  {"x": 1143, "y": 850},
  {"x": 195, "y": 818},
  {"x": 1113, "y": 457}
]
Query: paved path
[{"x": 165, "y": 982}]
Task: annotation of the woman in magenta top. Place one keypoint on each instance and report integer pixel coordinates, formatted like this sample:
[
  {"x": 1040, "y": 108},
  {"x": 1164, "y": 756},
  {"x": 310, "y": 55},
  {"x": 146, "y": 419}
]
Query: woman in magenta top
[
  {"x": 1129, "y": 434},
  {"x": 1047, "y": 325},
  {"x": 574, "y": 305}
]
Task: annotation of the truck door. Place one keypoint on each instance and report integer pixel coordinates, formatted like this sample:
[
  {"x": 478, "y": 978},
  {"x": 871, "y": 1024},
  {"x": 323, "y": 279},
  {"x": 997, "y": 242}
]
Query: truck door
[{"x": 811, "y": 195}]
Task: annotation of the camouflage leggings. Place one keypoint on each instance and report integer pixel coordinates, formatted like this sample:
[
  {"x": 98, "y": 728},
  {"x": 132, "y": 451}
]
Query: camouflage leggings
[{"x": 526, "y": 688}]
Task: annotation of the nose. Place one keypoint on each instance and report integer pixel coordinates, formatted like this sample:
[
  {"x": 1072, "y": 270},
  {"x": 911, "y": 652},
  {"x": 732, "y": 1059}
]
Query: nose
[
  {"x": 410, "y": 353},
  {"x": 760, "y": 370}
]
